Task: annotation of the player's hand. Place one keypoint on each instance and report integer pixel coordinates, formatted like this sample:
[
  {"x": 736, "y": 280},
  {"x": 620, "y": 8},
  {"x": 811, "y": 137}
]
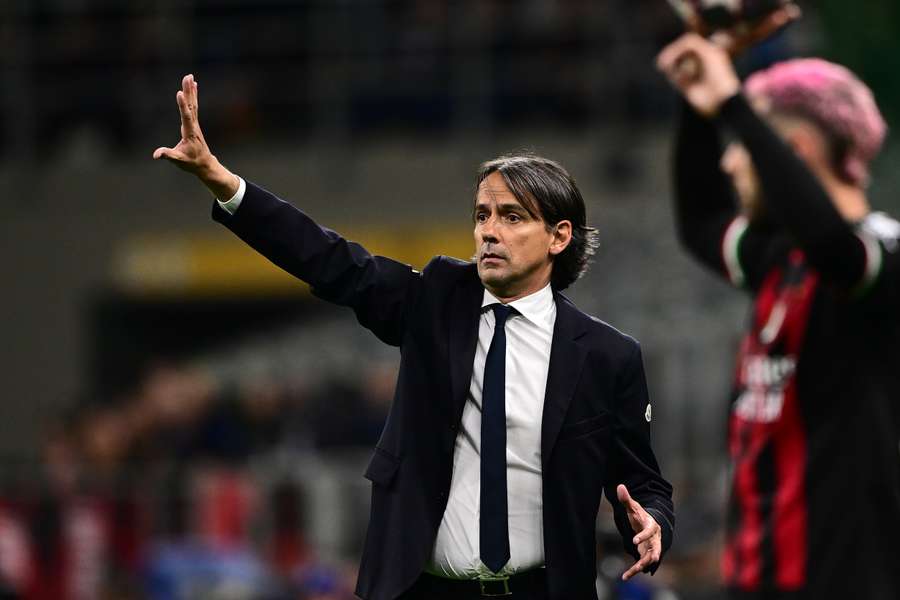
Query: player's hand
[
  {"x": 648, "y": 534},
  {"x": 707, "y": 86},
  {"x": 192, "y": 154}
]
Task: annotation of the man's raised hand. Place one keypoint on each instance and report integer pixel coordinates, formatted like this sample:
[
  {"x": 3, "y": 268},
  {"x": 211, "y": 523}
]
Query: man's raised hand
[
  {"x": 648, "y": 534},
  {"x": 192, "y": 154}
]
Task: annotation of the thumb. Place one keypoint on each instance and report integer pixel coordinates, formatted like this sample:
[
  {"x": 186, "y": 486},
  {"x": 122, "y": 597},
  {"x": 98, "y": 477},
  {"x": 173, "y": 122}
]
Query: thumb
[
  {"x": 623, "y": 495},
  {"x": 161, "y": 152}
]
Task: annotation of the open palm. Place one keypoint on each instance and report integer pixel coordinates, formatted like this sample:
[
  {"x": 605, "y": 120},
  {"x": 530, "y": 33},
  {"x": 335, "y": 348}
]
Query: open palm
[{"x": 191, "y": 153}]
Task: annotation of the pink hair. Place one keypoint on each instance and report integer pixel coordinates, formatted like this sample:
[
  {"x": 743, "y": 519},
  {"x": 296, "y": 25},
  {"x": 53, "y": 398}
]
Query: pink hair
[{"x": 834, "y": 99}]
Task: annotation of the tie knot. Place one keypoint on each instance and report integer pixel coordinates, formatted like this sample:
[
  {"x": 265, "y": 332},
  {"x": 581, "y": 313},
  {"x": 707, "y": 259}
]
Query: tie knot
[{"x": 501, "y": 313}]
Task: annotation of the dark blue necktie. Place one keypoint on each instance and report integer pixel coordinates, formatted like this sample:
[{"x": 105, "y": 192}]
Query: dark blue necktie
[{"x": 494, "y": 526}]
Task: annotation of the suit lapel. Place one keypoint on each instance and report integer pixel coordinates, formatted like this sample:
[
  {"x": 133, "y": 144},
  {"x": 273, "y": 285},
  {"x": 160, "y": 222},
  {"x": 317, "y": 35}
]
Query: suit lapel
[
  {"x": 463, "y": 336},
  {"x": 566, "y": 362}
]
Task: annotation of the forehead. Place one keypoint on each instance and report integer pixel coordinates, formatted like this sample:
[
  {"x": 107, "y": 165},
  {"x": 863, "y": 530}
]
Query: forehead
[{"x": 494, "y": 188}]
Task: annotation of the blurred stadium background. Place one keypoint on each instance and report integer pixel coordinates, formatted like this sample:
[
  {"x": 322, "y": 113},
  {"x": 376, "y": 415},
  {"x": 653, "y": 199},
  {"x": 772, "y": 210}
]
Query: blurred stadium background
[{"x": 179, "y": 419}]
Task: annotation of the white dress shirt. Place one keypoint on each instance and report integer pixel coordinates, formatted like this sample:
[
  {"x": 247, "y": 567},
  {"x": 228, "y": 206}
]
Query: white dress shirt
[
  {"x": 232, "y": 204},
  {"x": 529, "y": 336}
]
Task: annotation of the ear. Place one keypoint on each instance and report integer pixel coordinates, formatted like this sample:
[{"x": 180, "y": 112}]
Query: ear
[{"x": 562, "y": 235}]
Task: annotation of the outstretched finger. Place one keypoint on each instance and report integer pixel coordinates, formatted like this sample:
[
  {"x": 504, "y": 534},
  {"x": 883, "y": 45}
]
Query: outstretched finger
[
  {"x": 187, "y": 86},
  {"x": 189, "y": 108},
  {"x": 195, "y": 98},
  {"x": 637, "y": 567},
  {"x": 169, "y": 154},
  {"x": 185, "y": 112}
]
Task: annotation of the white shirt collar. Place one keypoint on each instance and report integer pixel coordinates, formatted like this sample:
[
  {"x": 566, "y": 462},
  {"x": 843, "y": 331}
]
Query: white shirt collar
[{"x": 538, "y": 307}]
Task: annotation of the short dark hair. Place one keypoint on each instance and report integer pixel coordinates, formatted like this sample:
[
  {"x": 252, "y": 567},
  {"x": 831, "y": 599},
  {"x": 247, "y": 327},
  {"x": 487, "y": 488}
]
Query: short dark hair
[{"x": 547, "y": 191}]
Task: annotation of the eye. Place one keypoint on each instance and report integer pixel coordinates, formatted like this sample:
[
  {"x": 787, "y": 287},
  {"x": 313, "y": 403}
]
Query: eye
[
  {"x": 480, "y": 217},
  {"x": 513, "y": 218}
]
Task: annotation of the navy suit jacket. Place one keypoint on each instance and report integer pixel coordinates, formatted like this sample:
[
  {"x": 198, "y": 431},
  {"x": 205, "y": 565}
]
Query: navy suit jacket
[{"x": 595, "y": 430}]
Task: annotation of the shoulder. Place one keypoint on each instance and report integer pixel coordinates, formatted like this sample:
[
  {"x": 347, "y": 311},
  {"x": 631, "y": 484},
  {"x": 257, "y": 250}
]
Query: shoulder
[
  {"x": 449, "y": 269},
  {"x": 600, "y": 335}
]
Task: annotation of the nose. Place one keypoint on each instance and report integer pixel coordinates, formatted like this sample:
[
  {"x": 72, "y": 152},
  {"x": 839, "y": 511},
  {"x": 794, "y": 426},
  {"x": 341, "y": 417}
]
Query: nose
[{"x": 487, "y": 232}]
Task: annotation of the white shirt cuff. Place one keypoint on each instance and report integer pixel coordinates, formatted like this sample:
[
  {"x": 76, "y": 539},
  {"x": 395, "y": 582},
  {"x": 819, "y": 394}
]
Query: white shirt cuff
[{"x": 231, "y": 205}]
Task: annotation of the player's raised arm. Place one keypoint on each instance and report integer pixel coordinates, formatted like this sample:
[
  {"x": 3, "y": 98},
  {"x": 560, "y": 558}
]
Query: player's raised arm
[
  {"x": 704, "y": 200},
  {"x": 192, "y": 153}
]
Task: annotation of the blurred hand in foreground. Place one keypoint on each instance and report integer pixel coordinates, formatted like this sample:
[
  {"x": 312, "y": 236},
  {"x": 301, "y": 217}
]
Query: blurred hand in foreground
[
  {"x": 707, "y": 86},
  {"x": 648, "y": 538},
  {"x": 701, "y": 68},
  {"x": 192, "y": 154}
]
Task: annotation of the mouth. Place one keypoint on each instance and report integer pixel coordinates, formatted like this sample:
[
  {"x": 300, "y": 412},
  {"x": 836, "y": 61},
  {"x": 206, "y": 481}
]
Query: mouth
[{"x": 491, "y": 257}]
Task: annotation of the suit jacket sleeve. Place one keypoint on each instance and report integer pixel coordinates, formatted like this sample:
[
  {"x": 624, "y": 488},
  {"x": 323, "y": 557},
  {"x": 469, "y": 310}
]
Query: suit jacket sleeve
[
  {"x": 378, "y": 289},
  {"x": 633, "y": 461}
]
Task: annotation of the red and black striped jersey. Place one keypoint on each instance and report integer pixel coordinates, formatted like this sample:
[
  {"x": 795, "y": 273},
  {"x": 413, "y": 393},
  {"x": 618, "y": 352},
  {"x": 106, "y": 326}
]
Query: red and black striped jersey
[{"x": 814, "y": 425}]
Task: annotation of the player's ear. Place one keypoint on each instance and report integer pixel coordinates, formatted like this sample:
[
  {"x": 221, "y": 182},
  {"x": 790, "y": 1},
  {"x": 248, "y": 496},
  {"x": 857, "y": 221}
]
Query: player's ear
[{"x": 562, "y": 236}]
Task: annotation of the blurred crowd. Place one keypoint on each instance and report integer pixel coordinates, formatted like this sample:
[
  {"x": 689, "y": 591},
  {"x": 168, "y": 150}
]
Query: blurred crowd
[
  {"x": 275, "y": 70},
  {"x": 160, "y": 495}
]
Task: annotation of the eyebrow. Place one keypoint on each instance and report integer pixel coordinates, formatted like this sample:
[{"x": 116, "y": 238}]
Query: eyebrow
[{"x": 503, "y": 206}]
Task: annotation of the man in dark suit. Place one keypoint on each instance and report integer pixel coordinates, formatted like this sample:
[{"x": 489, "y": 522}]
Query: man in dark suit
[{"x": 513, "y": 410}]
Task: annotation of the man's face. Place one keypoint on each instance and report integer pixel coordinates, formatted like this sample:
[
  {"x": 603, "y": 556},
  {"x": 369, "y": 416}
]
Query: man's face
[{"x": 514, "y": 250}]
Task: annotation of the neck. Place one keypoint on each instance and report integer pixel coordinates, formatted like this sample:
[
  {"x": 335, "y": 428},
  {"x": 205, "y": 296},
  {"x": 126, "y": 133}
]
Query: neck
[{"x": 510, "y": 294}]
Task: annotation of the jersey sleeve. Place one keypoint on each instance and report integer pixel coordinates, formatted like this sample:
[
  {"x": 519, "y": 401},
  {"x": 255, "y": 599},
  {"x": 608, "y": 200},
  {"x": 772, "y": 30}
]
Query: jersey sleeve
[
  {"x": 707, "y": 219},
  {"x": 796, "y": 201},
  {"x": 380, "y": 290},
  {"x": 879, "y": 285}
]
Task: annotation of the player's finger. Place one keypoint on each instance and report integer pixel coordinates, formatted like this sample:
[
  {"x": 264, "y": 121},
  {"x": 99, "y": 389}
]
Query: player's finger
[{"x": 672, "y": 53}]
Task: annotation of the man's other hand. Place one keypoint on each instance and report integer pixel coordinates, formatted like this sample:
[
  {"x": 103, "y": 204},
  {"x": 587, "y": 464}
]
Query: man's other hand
[
  {"x": 648, "y": 538},
  {"x": 710, "y": 82},
  {"x": 192, "y": 154}
]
